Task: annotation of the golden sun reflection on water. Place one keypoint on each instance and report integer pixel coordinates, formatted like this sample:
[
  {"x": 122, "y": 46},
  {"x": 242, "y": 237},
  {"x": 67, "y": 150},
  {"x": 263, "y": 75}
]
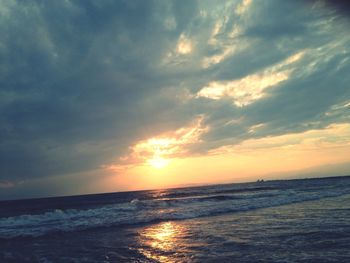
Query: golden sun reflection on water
[{"x": 160, "y": 242}]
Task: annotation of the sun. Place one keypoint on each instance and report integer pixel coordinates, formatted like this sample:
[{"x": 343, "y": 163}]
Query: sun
[{"x": 158, "y": 162}]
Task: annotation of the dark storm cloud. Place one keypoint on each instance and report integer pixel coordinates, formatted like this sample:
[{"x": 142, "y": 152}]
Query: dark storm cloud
[{"x": 82, "y": 81}]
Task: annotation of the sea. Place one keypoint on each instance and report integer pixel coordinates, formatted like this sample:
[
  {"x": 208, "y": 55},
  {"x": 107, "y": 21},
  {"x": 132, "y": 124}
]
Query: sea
[{"x": 305, "y": 220}]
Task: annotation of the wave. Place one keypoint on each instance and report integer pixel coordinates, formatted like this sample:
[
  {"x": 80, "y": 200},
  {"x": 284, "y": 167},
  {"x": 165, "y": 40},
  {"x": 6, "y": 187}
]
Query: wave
[
  {"x": 198, "y": 192},
  {"x": 145, "y": 211}
]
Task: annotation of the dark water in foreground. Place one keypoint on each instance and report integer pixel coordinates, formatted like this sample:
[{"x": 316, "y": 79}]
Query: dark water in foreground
[{"x": 276, "y": 221}]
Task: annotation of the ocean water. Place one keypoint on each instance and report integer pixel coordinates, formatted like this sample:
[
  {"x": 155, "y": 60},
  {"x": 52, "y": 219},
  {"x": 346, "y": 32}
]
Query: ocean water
[{"x": 274, "y": 221}]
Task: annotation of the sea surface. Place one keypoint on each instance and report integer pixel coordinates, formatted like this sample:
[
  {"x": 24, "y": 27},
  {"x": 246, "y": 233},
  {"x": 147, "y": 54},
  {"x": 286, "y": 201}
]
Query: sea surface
[{"x": 273, "y": 221}]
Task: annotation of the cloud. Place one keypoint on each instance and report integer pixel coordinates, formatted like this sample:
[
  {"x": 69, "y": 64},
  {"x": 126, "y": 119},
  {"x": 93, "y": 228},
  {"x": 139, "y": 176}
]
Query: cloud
[
  {"x": 300, "y": 98},
  {"x": 74, "y": 93},
  {"x": 184, "y": 45},
  {"x": 83, "y": 82},
  {"x": 250, "y": 88}
]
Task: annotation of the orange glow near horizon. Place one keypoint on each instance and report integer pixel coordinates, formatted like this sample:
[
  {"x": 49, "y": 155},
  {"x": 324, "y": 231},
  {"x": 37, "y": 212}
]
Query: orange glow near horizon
[{"x": 311, "y": 152}]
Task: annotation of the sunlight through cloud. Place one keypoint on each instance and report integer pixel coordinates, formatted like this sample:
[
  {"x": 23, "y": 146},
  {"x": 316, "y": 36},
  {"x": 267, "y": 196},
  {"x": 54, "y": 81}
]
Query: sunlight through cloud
[
  {"x": 184, "y": 45},
  {"x": 243, "y": 6},
  {"x": 250, "y": 88},
  {"x": 158, "y": 151}
]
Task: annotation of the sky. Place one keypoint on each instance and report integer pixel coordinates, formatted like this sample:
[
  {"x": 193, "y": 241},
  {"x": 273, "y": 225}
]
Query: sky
[{"x": 104, "y": 96}]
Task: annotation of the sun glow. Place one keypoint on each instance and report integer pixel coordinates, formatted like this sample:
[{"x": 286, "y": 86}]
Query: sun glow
[
  {"x": 158, "y": 162},
  {"x": 158, "y": 152}
]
